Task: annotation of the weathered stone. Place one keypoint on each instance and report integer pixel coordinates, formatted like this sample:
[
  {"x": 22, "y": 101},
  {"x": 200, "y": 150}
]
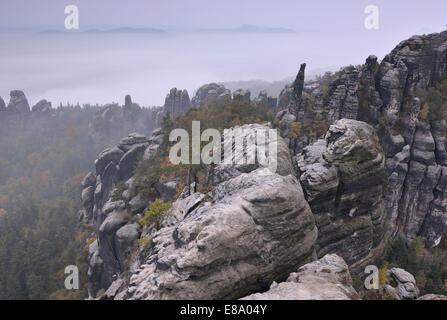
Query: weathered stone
[
  {"x": 89, "y": 180},
  {"x": 343, "y": 178},
  {"x": 110, "y": 155},
  {"x": 18, "y": 102},
  {"x": 325, "y": 279},
  {"x": 2, "y": 105},
  {"x": 403, "y": 285},
  {"x": 42, "y": 106},
  {"x": 124, "y": 240},
  {"x": 177, "y": 102},
  {"x": 208, "y": 92},
  {"x": 137, "y": 204},
  {"x": 129, "y": 160}
]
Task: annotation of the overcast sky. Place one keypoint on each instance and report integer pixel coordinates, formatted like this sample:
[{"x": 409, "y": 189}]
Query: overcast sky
[
  {"x": 101, "y": 68},
  {"x": 296, "y": 14}
]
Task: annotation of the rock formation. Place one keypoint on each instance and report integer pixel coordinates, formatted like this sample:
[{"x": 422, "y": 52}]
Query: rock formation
[
  {"x": 18, "y": 102},
  {"x": 264, "y": 99},
  {"x": 2, "y": 105},
  {"x": 324, "y": 279},
  {"x": 344, "y": 179},
  {"x": 402, "y": 285},
  {"x": 385, "y": 95},
  {"x": 254, "y": 228},
  {"x": 378, "y": 171},
  {"x": 208, "y": 92},
  {"x": 42, "y": 106},
  {"x": 177, "y": 102}
]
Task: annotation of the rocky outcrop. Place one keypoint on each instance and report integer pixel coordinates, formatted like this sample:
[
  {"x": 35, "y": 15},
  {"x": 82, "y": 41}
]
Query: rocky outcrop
[
  {"x": 242, "y": 94},
  {"x": 115, "y": 214},
  {"x": 43, "y": 106},
  {"x": 416, "y": 154},
  {"x": 18, "y": 102},
  {"x": 402, "y": 285},
  {"x": 253, "y": 228},
  {"x": 343, "y": 101},
  {"x": 112, "y": 122},
  {"x": 344, "y": 179},
  {"x": 264, "y": 99},
  {"x": 2, "y": 105},
  {"x": 209, "y": 92},
  {"x": 340, "y": 198},
  {"x": 324, "y": 279},
  {"x": 385, "y": 95},
  {"x": 177, "y": 102}
]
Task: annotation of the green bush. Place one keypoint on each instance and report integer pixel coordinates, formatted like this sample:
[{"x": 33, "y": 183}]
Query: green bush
[
  {"x": 118, "y": 191},
  {"x": 157, "y": 210}
]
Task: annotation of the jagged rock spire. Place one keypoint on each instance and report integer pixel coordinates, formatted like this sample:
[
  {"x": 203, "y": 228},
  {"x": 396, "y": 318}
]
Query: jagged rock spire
[{"x": 298, "y": 86}]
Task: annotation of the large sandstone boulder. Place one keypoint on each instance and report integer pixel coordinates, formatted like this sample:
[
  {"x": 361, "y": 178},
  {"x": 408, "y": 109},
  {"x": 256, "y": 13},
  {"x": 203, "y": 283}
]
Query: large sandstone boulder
[
  {"x": 208, "y": 92},
  {"x": 43, "y": 106},
  {"x": 110, "y": 155},
  {"x": 18, "y": 102},
  {"x": 115, "y": 218},
  {"x": 177, "y": 102},
  {"x": 242, "y": 94},
  {"x": 254, "y": 228},
  {"x": 325, "y": 279},
  {"x": 344, "y": 178},
  {"x": 264, "y": 99},
  {"x": 2, "y": 105},
  {"x": 402, "y": 285}
]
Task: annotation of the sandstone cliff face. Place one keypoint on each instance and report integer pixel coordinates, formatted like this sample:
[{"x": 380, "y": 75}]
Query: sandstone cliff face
[
  {"x": 254, "y": 228},
  {"x": 342, "y": 194},
  {"x": 114, "y": 219},
  {"x": 177, "y": 102},
  {"x": 324, "y": 279},
  {"x": 385, "y": 95},
  {"x": 208, "y": 92},
  {"x": 344, "y": 179},
  {"x": 18, "y": 102}
]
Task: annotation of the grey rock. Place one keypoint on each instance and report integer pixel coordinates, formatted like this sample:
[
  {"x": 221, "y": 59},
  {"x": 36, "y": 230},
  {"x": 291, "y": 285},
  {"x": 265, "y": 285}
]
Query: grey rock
[
  {"x": 325, "y": 279},
  {"x": 281, "y": 164},
  {"x": 128, "y": 161},
  {"x": 403, "y": 285},
  {"x": 111, "y": 205},
  {"x": 43, "y": 106},
  {"x": 344, "y": 177},
  {"x": 110, "y": 155},
  {"x": 109, "y": 178},
  {"x": 177, "y": 102},
  {"x": 89, "y": 180},
  {"x": 87, "y": 198},
  {"x": 131, "y": 139},
  {"x": 18, "y": 102},
  {"x": 209, "y": 92},
  {"x": 114, "y": 288},
  {"x": 260, "y": 226},
  {"x": 124, "y": 239},
  {"x": 342, "y": 100},
  {"x": 166, "y": 190},
  {"x": 137, "y": 204},
  {"x": 264, "y": 99},
  {"x": 433, "y": 297}
]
